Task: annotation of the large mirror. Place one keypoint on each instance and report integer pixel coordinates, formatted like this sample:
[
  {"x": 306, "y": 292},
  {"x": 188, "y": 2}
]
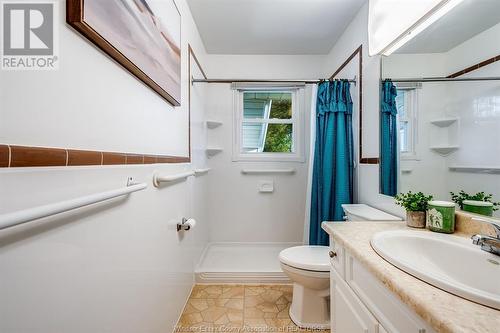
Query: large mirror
[{"x": 440, "y": 107}]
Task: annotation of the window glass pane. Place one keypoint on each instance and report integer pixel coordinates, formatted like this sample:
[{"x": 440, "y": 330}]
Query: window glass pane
[
  {"x": 403, "y": 132},
  {"x": 268, "y": 138},
  {"x": 400, "y": 103},
  {"x": 252, "y": 137},
  {"x": 279, "y": 138},
  {"x": 267, "y": 105}
]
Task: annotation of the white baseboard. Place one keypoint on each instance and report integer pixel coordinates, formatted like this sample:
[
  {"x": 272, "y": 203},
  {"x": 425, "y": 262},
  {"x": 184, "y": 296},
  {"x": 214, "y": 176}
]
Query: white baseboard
[{"x": 242, "y": 277}]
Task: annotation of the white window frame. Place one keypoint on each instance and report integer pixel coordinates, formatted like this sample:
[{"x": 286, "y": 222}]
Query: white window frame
[
  {"x": 297, "y": 124},
  {"x": 411, "y": 103}
]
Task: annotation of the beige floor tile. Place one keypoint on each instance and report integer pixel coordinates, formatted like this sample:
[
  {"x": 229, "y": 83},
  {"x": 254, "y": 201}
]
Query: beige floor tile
[
  {"x": 190, "y": 319},
  {"x": 197, "y": 304},
  {"x": 233, "y": 292},
  {"x": 239, "y": 309},
  {"x": 252, "y": 301},
  {"x": 234, "y": 304},
  {"x": 268, "y": 307},
  {"x": 254, "y": 322},
  {"x": 206, "y": 291}
]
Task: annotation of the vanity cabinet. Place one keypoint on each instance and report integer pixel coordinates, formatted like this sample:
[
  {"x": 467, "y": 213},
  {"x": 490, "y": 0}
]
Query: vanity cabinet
[
  {"x": 360, "y": 303},
  {"x": 348, "y": 312}
]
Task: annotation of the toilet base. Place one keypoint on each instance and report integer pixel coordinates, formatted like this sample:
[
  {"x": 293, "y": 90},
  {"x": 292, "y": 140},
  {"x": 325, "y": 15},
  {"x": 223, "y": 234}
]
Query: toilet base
[{"x": 310, "y": 308}]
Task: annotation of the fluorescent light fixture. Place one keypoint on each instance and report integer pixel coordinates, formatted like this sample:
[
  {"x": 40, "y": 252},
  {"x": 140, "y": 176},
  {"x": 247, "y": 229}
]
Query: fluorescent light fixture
[{"x": 421, "y": 25}]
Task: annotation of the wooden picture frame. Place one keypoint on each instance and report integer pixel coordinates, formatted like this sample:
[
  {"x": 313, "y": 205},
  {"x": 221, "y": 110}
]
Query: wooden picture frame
[{"x": 170, "y": 86}]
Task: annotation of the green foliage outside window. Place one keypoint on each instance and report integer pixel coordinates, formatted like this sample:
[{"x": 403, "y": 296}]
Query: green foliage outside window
[{"x": 279, "y": 138}]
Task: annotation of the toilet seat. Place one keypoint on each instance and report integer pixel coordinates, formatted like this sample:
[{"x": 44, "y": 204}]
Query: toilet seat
[{"x": 307, "y": 257}]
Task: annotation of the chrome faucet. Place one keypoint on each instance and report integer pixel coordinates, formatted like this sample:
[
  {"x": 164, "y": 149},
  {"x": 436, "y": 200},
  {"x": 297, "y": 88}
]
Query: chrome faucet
[{"x": 487, "y": 243}]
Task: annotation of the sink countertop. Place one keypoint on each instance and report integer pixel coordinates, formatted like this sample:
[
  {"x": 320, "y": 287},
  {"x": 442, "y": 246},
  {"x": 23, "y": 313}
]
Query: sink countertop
[{"x": 445, "y": 312}]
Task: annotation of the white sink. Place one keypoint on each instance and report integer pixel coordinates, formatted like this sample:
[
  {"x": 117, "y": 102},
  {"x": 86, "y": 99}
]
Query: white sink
[{"x": 448, "y": 262}]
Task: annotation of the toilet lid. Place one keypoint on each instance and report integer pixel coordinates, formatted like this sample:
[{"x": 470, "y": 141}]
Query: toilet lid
[{"x": 311, "y": 258}]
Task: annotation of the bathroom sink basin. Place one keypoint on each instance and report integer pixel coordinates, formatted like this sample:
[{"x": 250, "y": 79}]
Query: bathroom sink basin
[{"x": 448, "y": 262}]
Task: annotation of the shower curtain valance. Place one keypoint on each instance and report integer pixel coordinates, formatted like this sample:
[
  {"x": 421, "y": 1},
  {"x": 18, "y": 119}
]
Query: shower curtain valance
[{"x": 334, "y": 97}]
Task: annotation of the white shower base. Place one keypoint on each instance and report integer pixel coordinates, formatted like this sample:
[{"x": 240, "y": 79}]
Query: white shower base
[{"x": 242, "y": 263}]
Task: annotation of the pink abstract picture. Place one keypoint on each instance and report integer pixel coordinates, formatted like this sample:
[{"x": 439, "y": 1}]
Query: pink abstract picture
[{"x": 146, "y": 33}]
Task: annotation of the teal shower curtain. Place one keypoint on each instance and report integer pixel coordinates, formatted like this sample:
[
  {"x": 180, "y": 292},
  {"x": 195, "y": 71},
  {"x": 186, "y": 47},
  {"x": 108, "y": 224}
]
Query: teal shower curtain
[
  {"x": 333, "y": 170},
  {"x": 389, "y": 140}
]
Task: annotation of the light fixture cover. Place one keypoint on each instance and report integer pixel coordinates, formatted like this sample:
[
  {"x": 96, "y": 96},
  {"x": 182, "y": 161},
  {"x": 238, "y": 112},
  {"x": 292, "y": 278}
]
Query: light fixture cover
[{"x": 389, "y": 19}]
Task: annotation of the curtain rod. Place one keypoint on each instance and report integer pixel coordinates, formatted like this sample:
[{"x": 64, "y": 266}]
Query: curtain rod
[
  {"x": 445, "y": 79},
  {"x": 193, "y": 80}
]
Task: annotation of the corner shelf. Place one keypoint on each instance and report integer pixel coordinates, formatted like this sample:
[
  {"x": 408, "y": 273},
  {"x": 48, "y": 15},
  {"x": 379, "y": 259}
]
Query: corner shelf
[
  {"x": 213, "y": 124},
  {"x": 445, "y": 150},
  {"x": 444, "y": 122},
  {"x": 212, "y": 151}
]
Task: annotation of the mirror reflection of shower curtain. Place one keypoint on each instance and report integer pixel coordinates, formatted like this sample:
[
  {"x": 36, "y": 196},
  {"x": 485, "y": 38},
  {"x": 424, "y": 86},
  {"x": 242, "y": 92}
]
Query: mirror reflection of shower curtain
[{"x": 388, "y": 140}]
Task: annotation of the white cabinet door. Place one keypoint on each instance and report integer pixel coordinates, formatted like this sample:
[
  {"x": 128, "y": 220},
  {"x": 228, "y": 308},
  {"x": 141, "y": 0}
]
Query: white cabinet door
[
  {"x": 385, "y": 306},
  {"x": 348, "y": 314}
]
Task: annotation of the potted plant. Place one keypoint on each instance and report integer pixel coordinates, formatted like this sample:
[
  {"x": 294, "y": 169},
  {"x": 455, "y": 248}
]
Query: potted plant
[
  {"x": 416, "y": 206},
  {"x": 479, "y": 203}
]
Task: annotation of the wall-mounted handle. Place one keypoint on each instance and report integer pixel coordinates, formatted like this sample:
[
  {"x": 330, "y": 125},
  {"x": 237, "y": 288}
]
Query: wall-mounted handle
[
  {"x": 267, "y": 171},
  {"x": 157, "y": 179}
]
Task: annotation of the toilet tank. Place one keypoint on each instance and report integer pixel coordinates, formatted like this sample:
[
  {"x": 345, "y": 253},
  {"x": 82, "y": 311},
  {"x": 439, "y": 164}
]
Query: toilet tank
[{"x": 362, "y": 212}]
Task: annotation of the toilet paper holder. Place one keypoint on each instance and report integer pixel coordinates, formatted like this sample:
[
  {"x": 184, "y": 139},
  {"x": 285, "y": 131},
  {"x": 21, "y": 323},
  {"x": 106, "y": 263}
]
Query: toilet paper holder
[{"x": 186, "y": 224}]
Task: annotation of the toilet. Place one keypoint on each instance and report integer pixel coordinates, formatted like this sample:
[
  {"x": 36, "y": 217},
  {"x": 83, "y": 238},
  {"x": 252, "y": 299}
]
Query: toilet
[{"x": 308, "y": 267}]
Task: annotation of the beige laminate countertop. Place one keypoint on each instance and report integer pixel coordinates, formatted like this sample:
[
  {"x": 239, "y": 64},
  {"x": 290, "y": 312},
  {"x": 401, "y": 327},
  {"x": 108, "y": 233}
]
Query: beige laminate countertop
[{"x": 445, "y": 312}]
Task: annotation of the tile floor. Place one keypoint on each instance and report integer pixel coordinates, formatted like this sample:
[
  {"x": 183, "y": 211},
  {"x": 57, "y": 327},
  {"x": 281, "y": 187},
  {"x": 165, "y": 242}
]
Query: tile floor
[{"x": 238, "y": 308}]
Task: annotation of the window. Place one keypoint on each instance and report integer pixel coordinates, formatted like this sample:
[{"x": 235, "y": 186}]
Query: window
[
  {"x": 267, "y": 124},
  {"x": 406, "y": 105}
]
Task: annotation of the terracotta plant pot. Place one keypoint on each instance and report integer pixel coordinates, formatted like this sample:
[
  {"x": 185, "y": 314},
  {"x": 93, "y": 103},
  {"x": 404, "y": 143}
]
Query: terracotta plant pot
[{"x": 415, "y": 219}]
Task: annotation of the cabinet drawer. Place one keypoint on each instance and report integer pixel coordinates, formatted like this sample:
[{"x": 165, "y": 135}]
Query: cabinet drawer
[
  {"x": 349, "y": 315},
  {"x": 389, "y": 310},
  {"x": 338, "y": 261}
]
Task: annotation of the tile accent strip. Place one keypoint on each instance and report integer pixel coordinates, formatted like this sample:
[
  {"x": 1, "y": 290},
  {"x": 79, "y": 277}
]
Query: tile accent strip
[
  {"x": 84, "y": 157},
  {"x": 358, "y": 51},
  {"x": 369, "y": 160},
  {"x": 191, "y": 54},
  {"x": 24, "y": 156},
  {"x": 4, "y": 156},
  {"x": 27, "y": 156},
  {"x": 21, "y": 156},
  {"x": 474, "y": 67}
]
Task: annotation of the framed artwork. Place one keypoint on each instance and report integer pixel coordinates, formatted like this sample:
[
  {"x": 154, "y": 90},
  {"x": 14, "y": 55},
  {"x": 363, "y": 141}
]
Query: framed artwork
[{"x": 144, "y": 36}]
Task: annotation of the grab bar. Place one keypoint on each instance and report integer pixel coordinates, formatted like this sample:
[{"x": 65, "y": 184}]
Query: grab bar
[
  {"x": 201, "y": 171},
  {"x": 268, "y": 171},
  {"x": 157, "y": 179},
  {"x": 11, "y": 219}
]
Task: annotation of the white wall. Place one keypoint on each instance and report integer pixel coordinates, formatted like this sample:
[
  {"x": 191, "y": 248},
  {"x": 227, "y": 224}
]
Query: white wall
[
  {"x": 477, "y": 104},
  {"x": 118, "y": 266},
  {"x": 239, "y": 213},
  {"x": 475, "y": 50}
]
